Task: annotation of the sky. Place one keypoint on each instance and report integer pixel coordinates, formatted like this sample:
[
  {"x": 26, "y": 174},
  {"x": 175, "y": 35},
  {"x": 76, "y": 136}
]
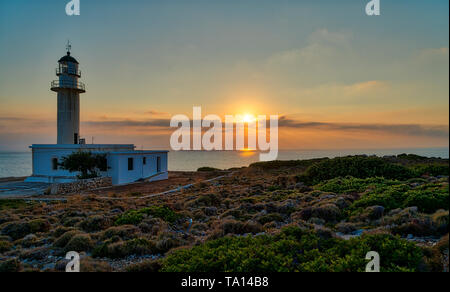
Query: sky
[{"x": 337, "y": 78}]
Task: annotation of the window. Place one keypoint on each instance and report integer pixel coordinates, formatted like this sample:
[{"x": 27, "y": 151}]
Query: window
[
  {"x": 144, "y": 160},
  {"x": 75, "y": 138},
  {"x": 130, "y": 164},
  {"x": 158, "y": 164},
  {"x": 55, "y": 163}
]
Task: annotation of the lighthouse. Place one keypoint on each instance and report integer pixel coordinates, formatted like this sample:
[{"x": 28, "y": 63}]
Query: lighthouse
[
  {"x": 69, "y": 89},
  {"x": 124, "y": 164}
]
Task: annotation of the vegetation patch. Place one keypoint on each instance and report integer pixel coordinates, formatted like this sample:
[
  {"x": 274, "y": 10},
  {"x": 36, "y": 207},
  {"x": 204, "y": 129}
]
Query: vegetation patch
[
  {"x": 428, "y": 198},
  {"x": 135, "y": 217},
  {"x": 295, "y": 250},
  {"x": 355, "y": 166}
]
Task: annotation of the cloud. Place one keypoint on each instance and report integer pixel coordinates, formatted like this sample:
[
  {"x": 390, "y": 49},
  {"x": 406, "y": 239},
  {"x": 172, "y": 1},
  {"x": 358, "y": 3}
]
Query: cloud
[
  {"x": 321, "y": 45},
  {"x": 437, "y": 131},
  {"x": 155, "y": 113},
  {"x": 129, "y": 123}
]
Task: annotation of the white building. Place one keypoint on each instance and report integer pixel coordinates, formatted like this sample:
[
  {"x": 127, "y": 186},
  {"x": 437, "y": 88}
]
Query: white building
[{"x": 125, "y": 164}]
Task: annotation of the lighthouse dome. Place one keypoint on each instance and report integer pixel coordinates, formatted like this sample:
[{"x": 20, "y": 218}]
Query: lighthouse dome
[{"x": 68, "y": 58}]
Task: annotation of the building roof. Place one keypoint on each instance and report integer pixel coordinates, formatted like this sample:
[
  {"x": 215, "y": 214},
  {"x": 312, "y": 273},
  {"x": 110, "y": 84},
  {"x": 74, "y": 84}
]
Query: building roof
[{"x": 68, "y": 58}]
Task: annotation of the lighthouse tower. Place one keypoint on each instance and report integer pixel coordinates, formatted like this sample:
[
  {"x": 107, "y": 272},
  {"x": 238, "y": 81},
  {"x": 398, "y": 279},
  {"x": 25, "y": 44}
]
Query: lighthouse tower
[
  {"x": 68, "y": 88},
  {"x": 123, "y": 164}
]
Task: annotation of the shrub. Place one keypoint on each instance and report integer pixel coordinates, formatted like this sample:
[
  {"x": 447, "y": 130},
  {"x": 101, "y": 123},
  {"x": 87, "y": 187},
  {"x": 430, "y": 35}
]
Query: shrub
[
  {"x": 428, "y": 198},
  {"x": 351, "y": 184},
  {"x": 327, "y": 212},
  {"x": 237, "y": 227},
  {"x": 441, "y": 221},
  {"x": 355, "y": 166},
  {"x": 95, "y": 223},
  {"x": 64, "y": 239},
  {"x": 270, "y": 218},
  {"x": 10, "y": 266},
  {"x": 137, "y": 246},
  {"x": 149, "y": 266},
  {"x": 5, "y": 246},
  {"x": 433, "y": 170},
  {"x": 277, "y": 164},
  {"x": 428, "y": 201},
  {"x": 125, "y": 232},
  {"x": 208, "y": 200},
  {"x": 294, "y": 250},
  {"x": 13, "y": 204},
  {"x": 80, "y": 243},
  {"x": 208, "y": 169},
  {"x": 135, "y": 217},
  {"x": 88, "y": 265},
  {"x": 18, "y": 230}
]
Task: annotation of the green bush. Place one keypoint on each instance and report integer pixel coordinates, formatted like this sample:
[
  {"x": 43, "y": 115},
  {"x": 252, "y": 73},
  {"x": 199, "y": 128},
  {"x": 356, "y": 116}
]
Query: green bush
[
  {"x": 18, "y": 230},
  {"x": 121, "y": 249},
  {"x": 428, "y": 201},
  {"x": 80, "y": 243},
  {"x": 149, "y": 266},
  {"x": 134, "y": 217},
  {"x": 350, "y": 184},
  {"x": 433, "y": 170},
  {"x": 294, "y": 250},
  {"x": 355, "y": 166},
  {"x": 5, "y": 246},
  {"x": 271, "y": 218},
  {"x": 428, "y": 198}
]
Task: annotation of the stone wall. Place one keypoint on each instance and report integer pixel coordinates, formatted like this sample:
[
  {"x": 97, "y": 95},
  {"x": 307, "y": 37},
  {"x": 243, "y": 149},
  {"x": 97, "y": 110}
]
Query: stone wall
[{"x": 80, "y": 185}]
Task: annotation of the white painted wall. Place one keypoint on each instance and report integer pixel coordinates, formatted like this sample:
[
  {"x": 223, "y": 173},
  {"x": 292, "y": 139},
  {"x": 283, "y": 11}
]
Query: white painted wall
[
  {"x": 118, "y": 163},
  {"x": 117, "y": 156}
]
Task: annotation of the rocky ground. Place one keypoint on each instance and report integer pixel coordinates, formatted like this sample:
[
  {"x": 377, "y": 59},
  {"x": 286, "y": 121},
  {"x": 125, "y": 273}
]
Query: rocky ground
[{"x": 157, "y": 226}]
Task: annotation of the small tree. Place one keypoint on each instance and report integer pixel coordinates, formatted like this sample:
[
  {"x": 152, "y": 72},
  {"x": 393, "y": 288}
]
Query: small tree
[{"x": 86, "y": 163}]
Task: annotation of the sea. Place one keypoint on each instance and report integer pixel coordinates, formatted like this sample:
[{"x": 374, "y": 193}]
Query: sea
[{"x": 18, "y": 164}]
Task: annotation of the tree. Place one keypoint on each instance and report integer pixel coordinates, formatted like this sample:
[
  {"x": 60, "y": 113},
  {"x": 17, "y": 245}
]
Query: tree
[{"x": 86, "y": 163}]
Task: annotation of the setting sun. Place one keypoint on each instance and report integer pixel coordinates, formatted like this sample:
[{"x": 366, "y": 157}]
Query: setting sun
[{"x": 248, "y": 118}]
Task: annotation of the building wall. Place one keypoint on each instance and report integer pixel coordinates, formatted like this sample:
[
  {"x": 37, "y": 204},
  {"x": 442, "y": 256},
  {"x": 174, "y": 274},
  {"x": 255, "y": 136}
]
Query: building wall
[
  {"x": 68, "y": 116},
  {"x": 117, "y": 156},
  {"x": 120, "y": 173}
]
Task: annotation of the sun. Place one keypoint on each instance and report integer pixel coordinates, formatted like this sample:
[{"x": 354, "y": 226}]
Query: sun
[{"x": 248, "y": 118}]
